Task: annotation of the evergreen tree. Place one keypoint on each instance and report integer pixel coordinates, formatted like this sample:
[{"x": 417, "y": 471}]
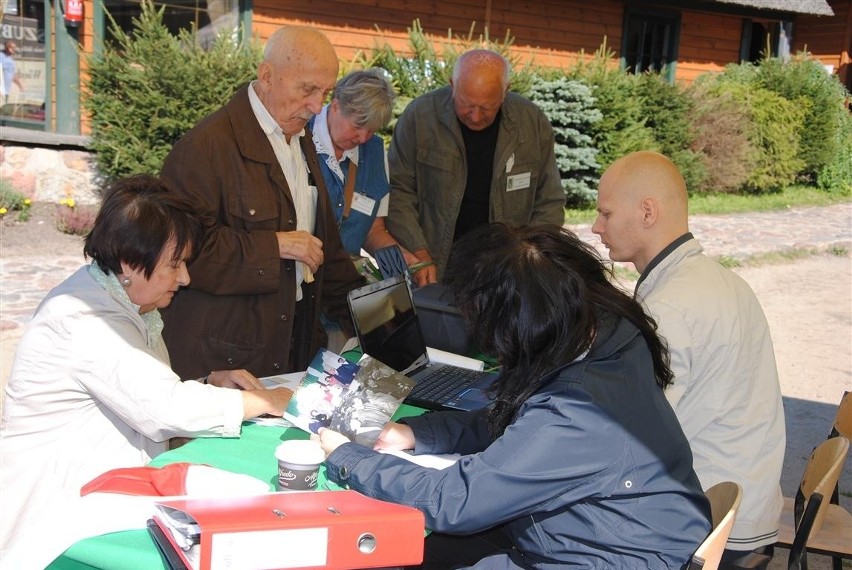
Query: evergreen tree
[
  {"x": 570, "y": 108},
  {"x": 148, "y": 87}
]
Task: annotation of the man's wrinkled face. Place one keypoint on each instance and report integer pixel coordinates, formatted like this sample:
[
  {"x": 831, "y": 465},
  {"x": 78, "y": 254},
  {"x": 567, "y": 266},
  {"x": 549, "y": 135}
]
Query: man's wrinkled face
[
  {"x": 293, "y": 98},
  {"x": 477, "y": 104}
]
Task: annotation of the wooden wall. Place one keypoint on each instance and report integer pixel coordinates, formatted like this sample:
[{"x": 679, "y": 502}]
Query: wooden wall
[
  {"x": 708, "y": 42},
  {"x": 829, "y": 39},
  {"x": 552, "y": 33}
]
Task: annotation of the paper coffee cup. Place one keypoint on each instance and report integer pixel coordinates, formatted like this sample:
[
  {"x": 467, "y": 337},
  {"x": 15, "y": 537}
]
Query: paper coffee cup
[{"x": 298, "y": 464}]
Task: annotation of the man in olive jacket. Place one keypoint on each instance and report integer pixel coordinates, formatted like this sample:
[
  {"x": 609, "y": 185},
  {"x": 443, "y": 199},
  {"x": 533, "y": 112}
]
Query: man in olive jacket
[
  {"x": 271, "y": 255},
  {"x": 466, "y": 155}
]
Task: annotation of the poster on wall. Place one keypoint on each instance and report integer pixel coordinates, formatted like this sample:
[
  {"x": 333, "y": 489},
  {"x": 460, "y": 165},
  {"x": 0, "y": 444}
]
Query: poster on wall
[{"x": 23, "y": 68}]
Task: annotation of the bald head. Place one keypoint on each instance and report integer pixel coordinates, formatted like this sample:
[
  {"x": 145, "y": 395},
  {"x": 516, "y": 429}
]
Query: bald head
[
  {"x": 479, "y": 83},
  {"x": 297, "y": 73},
  {"x": 642, "y": 207},
  {"x": 483, "y": 66},
  {"x": 299, "y": 47}
]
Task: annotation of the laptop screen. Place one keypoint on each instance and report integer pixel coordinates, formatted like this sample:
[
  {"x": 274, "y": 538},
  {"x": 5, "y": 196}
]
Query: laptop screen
[{"x": 386, "y": 324}]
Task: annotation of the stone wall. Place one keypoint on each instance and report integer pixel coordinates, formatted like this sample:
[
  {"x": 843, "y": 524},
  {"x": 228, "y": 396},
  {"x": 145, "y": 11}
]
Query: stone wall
[{"x": 49, "y": 174}]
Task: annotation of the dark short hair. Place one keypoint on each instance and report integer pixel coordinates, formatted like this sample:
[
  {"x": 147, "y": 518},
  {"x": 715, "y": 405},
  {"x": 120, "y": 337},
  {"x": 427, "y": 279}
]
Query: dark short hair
[
  {"x": 138, "y": 218},
  {"x": 535, "y": 297}
]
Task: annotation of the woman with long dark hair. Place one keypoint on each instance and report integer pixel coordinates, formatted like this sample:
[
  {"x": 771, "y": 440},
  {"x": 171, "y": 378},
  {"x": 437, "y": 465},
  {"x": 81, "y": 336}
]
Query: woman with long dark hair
[{"x": 580, "y": 460}]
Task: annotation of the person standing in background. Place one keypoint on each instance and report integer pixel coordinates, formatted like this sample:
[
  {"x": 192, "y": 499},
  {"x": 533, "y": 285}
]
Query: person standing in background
[
  {"x": 10, "y": 70},
  {"x": 272, "y": 255},
  {"x": 353, "y": 162},
  {"x": 353, "y": 158},
  {"x": 466, "y": 155}
]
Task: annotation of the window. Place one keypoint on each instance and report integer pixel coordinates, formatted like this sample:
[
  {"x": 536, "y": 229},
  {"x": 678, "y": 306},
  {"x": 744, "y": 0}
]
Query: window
[
  {"x": 761, "y": 38},
  {"x": 24, "y": 75},
  {"x": 209, "y": 17},
  {"x": 650, "y": 41}
]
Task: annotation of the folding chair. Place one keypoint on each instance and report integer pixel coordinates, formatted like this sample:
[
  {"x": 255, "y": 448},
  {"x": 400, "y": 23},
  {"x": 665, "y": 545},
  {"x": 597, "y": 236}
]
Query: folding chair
[
  {"x": 724, "y": 501},
  {"x": 810, "y": 523}
]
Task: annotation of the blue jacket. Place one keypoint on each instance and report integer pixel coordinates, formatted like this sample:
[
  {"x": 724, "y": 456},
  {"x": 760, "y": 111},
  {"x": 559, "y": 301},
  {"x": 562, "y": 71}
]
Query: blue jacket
[
  {"x": 594, "y": 472},
  {"x": 371, "y": 179}
]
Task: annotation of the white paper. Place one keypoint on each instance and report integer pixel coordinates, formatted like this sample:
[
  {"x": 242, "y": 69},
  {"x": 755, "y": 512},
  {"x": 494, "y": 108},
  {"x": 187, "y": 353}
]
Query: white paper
[
  {"x": 444, "y": 357},
  {"x": 285, "y": 548},
  {"x": 290, "y": 380}
]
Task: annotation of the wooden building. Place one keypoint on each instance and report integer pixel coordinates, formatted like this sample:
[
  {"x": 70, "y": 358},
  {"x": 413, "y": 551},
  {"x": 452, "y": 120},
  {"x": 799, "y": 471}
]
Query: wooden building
[{"x": 682, "y": 38}]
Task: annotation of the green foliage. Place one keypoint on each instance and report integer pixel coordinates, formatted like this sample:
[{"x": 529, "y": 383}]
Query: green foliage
[
  {"x": 10, "y": 198},
  {"x": 804, "y": 82},
  {"x": 789, "y": 197},
  {"x": 150, "y": 87},
  {"x": 721, "y": 144},
  {"x": 776, "y": 124},
  {"x": 570, "y": 108},
  {"x": 13, "y": 201},
  {"x": 668, "y": 112},
  {"x": 412, "y": 75},
  {"x": 836, "y": 176},
  {"x": 753, "y": 128},
  {"x": 622, "y": 129},
  {"x": 772, "y": 126}
]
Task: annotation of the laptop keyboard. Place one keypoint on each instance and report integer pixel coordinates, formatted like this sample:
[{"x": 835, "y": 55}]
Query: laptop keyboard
[{"x": 443, "y": 383}]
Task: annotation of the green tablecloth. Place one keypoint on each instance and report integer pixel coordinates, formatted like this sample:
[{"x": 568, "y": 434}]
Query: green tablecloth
[{"x": 251, "y": 454}]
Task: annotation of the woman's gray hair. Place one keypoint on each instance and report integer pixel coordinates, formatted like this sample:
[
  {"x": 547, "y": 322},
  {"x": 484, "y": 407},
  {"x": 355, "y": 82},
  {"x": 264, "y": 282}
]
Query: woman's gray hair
[{"x": 365, "y": 98}]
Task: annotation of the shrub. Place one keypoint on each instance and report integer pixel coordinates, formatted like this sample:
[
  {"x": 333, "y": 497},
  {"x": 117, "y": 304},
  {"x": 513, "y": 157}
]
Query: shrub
[
  {"x": 668, "y": 112},
  {"x": 13, "y": 201},
  {"x": 415, "y": 74},
  {"x": 772, "y": 126},
  {"x": 836, "y": 176},
  {"x": 774, "y": 129},
  {"x": 621, "y": 129},
  {"x": 721, "y": 143},
  {"x": 75, "y": 219},
  {"x": 803, "y": 81},
  {"x": 148, "y": 88},
  {"x": 570, "y": 108}
]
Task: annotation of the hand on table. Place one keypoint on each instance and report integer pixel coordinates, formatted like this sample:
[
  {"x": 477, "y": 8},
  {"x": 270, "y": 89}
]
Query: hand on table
[
  {"x": 272, "y": 401},
  {"x": 242, "y": 379},
  {"x": 395, "y": 437}
]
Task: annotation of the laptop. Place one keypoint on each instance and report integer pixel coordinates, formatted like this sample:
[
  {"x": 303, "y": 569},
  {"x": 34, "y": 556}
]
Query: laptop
[{"x": 389, "y": 330}]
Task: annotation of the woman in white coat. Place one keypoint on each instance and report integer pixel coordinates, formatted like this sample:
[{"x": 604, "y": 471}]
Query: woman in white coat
[{"x": 91, "y": 388}]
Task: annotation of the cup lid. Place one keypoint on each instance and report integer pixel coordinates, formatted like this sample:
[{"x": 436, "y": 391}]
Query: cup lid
[{"x": 300, "y": 451}]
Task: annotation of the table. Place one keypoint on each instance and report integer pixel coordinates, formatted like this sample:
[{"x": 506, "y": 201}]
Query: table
[{"x": 251, "y": 454}]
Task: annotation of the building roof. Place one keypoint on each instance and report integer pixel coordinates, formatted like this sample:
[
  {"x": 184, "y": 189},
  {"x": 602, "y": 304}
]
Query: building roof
[{"x": 816, "y": 7}]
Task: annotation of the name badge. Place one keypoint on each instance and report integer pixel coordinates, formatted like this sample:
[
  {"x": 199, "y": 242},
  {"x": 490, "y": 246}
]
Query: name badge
[
  {"x": 517, "y": 182},
  {"x": 363, "y": 203}
]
